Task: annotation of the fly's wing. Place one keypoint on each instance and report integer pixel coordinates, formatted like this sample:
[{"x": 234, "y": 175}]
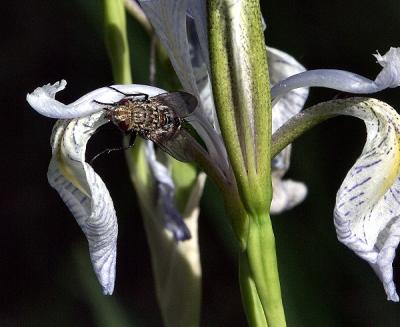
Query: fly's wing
[
  {"x": 181, "y": 145},
  {"x": 182, "y": 103},
  {"x": 176, "y": 147}
]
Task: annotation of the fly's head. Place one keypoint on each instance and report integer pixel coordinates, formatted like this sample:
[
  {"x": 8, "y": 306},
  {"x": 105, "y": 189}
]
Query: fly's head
[{"x": 121, "y": 117}]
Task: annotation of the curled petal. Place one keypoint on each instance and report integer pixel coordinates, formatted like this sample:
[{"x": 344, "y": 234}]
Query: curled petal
[
  {"x": 85, "y": 194},
  {"x": 165, "y": 196},
  {"x": 346, "y": 81},
  {"x": 368, "y": 202},
  {"x": 42, "y": 99},
  {"x": 286, "y": 194}
]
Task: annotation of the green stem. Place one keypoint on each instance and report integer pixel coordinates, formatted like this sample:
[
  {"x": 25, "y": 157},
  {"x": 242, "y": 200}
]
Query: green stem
[
  {"x": 251, "y": 301},
  {"x": 117, "y": 41},
  {"x": 241, "y": 93},
  {"x": 258, "y": 271},
  {"x": 264, "y": 269}
]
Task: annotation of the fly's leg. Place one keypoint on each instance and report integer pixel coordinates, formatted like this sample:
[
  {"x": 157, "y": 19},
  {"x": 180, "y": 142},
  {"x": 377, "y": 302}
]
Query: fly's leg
[
  {"x": 108, "y": 151},
  {"x": 131, "y": 95},
  {"x": 127, "y": 97}
]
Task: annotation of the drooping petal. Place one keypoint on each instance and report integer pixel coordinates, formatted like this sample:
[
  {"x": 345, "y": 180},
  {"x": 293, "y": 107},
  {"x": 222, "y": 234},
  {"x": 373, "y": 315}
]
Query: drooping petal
[
  {"x": 346, "y": 81},
  {"x": 367, "y": 207},
  {"x": 286, "y": 194},
  {"x": 42, "y": 99},
  {"x": 84, "y": 193},
  {"x": 165, "y": 196}
]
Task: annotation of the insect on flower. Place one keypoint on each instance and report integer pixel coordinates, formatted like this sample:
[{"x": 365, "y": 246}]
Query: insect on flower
[{"x": 158, "y": 118}]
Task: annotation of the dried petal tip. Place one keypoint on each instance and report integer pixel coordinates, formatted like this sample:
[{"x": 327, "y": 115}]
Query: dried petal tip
[{"x": 390, "y": 74}]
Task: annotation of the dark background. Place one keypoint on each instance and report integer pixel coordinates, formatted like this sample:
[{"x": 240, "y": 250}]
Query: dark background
[{"x": 46, "y": 279}]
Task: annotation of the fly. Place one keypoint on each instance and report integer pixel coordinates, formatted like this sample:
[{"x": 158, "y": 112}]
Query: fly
[{"x": 158, "y": 118}]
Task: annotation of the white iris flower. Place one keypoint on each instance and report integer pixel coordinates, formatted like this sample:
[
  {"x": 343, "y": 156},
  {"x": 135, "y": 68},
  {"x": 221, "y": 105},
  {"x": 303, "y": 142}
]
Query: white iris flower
[{"x": 368, "y": 202}]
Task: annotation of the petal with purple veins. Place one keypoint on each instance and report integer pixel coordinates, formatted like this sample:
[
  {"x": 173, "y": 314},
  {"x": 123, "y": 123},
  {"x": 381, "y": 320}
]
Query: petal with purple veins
[{"x": 367, "y": 206}]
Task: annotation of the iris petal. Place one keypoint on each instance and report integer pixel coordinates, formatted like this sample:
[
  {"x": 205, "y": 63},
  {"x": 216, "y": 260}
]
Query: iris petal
[
  {"x": 367, "y": 207},
  {"x": 286, "y": 194},
  {"x": 169, "y": 20},
  {"x": 42, "y": 99},
  {"x": 85, "y": 194},
  {"x": 346, "y": 81},
  {"x": 80, "y": 187}
]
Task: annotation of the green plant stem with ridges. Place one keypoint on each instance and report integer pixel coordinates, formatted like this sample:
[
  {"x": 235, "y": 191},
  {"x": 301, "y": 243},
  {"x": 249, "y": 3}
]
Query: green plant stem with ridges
[
  {"x": 222, "y": 88},
  {"x": 241, "y": 93},
  {"x": 248, "y": 290},
  {"x": 240, "y": 87},
  {"x": 263, "y": 268}
]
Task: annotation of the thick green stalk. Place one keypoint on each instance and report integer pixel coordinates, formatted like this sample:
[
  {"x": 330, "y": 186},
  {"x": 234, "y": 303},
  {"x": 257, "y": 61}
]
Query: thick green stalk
[
  {"x": 241, "y": 93},
  {"x": 252, "y": 304},
  {"x": 263, "y": 267},
  {"x": 258, "y": 272}
]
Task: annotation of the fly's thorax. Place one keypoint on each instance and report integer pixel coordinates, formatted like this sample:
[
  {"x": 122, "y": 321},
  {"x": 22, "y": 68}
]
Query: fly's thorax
[{"x": 147, "y": 118}]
